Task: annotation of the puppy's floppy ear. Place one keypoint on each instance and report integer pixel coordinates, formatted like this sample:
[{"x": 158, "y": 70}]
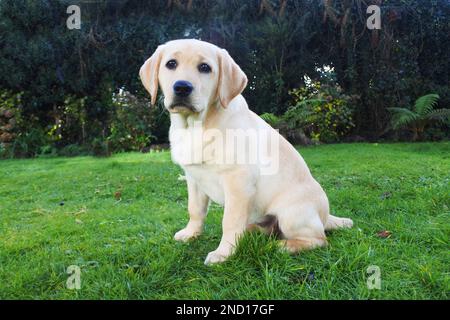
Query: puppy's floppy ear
[
  {"x": 149, "y": 73},
  {"x": 232, "y": 80}
]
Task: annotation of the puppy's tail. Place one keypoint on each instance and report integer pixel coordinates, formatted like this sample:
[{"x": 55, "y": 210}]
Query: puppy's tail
[{"x": 338, "y": 223}]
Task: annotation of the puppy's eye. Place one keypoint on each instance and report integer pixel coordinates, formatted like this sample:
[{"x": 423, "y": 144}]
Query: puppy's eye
[
  {"x": 204, "y": 68},
  {"x": 171, "y": 64}
]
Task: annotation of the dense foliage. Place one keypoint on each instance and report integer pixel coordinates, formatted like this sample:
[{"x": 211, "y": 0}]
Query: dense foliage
[{"x": 68, "y": 77}]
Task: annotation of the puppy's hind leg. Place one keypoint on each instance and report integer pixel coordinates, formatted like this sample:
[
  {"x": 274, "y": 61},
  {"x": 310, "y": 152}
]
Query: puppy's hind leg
[{"x": 301, "y": 228}]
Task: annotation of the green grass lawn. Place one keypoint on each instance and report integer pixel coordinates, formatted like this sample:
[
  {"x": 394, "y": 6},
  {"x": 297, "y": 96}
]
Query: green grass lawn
[{"x": 58, "y": 212}]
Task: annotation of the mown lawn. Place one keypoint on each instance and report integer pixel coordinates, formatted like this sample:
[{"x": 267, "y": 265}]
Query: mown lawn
[{"x": 115, "y": 219}]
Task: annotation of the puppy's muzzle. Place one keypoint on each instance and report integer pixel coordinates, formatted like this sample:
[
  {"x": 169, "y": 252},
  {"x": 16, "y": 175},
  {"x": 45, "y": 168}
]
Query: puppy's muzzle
[{"x": 182, "y": 89}]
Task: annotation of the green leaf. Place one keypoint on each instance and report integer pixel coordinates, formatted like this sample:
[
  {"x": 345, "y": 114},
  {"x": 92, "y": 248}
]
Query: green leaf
[{"x": 425, "y": 104}]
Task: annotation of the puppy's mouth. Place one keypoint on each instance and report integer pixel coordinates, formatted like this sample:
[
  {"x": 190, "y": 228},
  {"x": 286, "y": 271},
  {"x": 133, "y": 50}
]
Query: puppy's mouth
[{"x": 181, "y": 107}]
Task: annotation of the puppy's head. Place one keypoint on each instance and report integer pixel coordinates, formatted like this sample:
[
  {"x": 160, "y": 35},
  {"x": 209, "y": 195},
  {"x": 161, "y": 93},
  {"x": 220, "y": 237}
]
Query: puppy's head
[{"x": 192, "y": 75}]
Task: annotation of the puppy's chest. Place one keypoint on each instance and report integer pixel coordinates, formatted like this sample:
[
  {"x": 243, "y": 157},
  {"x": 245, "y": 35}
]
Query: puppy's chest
[
  {"x": 189, "y": 146},
  {"x": 188, "y": 151},
  {"x": 207, "y": 181},
  {"x": 184, "y": 150}
]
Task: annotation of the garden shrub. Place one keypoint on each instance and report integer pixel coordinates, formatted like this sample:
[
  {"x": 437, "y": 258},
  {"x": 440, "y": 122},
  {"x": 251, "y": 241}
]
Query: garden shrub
[
  {"x": 73, "y": 121},
  {"x": 322, "y": 111},
  {"x": 30, "y": 143},
  {"x": 100, "y": 147},
  {"x": 19, "y": 137},
  {"x": 131, "y": 123}
]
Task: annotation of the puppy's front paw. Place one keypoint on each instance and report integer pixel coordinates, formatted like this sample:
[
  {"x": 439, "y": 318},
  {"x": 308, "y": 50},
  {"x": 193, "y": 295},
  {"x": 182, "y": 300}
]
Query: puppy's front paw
[
  {"x": 215, "y": 257},
  {"x": 186, "y": 235}
]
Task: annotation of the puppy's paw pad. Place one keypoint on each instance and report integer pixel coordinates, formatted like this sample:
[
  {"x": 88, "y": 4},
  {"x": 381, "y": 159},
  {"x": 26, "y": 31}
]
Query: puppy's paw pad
[
  {"x": 185, "y": 235},
  {"x": 214, "y": 257}
]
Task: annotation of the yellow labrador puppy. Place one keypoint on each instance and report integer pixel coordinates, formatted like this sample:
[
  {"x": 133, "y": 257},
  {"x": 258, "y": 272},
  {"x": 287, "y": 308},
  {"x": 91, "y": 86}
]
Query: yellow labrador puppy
[{"x": 265, "y": 184}]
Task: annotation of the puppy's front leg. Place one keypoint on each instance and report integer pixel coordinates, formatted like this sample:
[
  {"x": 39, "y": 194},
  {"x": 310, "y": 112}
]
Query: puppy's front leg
[
  {"x": 198, "y": 208},
  {"x": 239, "y": 192}
]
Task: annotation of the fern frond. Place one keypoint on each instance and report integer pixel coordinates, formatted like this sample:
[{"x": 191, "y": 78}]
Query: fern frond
[
  {"x": 402, "y": 117},
  {"x": 399, "y": 110},
  {"x": 426, "y": 103},
  {"x": 441, "y": 115}
]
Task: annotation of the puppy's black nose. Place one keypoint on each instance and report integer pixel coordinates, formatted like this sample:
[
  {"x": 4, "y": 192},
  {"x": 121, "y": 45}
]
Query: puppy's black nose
[{"x": 182, "y": 88}]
